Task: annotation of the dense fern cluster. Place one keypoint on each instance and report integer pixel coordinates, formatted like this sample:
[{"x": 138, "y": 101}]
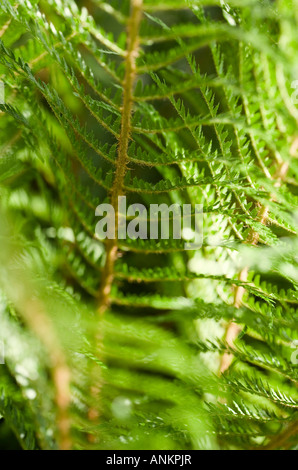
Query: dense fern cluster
[{"x": 140, "y": 344}]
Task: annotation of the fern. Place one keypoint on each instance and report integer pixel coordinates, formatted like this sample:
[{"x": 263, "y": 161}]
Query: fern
[{"x": 141, "y": 344}]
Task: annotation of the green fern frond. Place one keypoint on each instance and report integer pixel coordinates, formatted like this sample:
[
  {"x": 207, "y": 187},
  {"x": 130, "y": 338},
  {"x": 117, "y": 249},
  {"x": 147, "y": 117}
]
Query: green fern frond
[{"x": 141, "y": 343}]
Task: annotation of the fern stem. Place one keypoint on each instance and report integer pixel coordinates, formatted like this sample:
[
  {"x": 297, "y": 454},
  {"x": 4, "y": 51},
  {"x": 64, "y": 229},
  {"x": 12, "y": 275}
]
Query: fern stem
[
  {"x": 282, "y": 440},
  {"x": 108, "y": 274},
  {"x": 2, "y": 31},
  {"x": 33, "y": 313},
  {"x": 233, "y": 329},
  {"x": 124, "y": 138}
]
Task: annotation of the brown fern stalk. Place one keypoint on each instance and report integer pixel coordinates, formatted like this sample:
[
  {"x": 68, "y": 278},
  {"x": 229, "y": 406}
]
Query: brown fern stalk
[
  {"x": 33, "y": 313},
  {"x": 233, "y": 329},
  {"x": 283, "y": 439},
  {"x": 125, "y": 134},
  {"x": 121, "y": 168}
]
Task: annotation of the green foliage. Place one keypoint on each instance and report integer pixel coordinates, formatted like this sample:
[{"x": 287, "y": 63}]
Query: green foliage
[{"x": 124, "y": 351}]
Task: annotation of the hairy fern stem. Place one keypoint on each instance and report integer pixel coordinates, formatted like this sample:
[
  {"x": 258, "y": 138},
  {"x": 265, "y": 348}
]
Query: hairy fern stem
[{"x": 121, "y": 163}]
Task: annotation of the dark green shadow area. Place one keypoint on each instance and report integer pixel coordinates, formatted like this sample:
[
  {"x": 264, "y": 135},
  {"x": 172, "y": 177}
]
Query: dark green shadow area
[{"x": 8, "y": 440}]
